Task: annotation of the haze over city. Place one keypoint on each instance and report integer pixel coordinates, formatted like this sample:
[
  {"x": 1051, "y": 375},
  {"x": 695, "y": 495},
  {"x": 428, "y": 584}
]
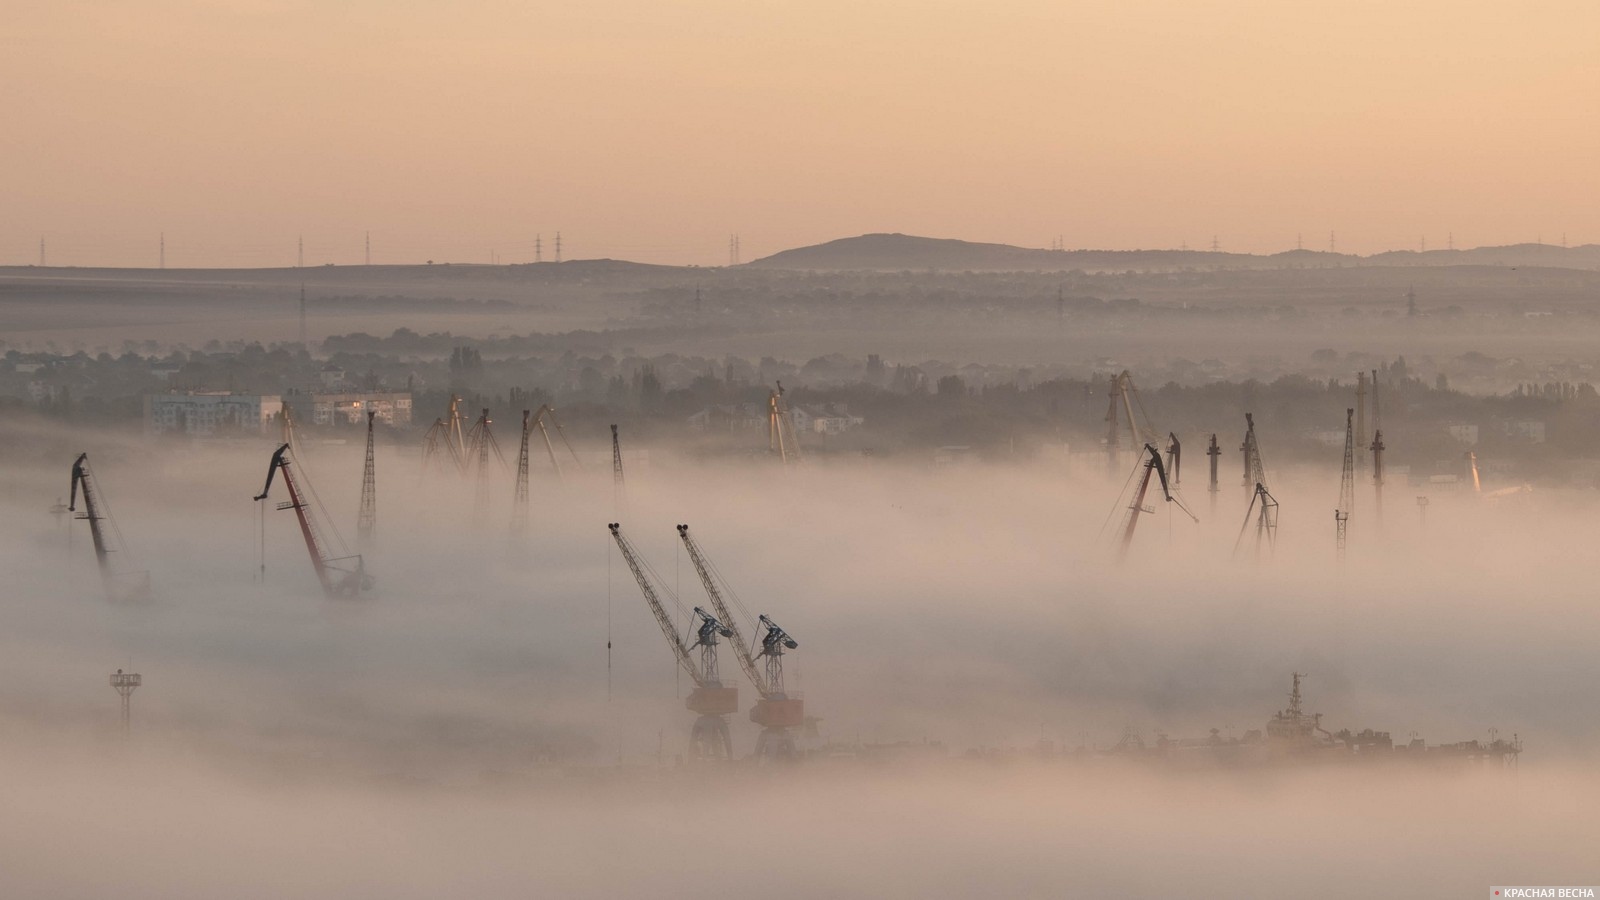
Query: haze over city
[{"x": 635, "y": 449}]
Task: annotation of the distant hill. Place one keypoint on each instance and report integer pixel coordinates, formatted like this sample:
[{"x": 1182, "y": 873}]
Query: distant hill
[{"x": 902, "y": 252}]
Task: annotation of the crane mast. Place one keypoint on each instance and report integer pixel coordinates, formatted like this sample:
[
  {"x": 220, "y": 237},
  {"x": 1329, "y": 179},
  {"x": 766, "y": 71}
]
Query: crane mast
[
  {"x": 91, "y": 512},
  {"x": 1153, "y": 465},
  {"x": 1174, "y": 459},
  {"x": 1264, "y": 509},
  {"x": 618, "y": 488},
  {"x": 708, "y": 737},
  {"x": 781, "y": 438},
  {"x": 334, "y": 574},
  {"x": 1254, "y": 472},
  {"x": 133, "y": 585},
  {"x": 546, "y": 411},
  {"x": 519, "y": 506},
  {"x": 1347, "y": 485},
  {"x": 367, "y": 520},
  {"x": 702, "y": 568}
]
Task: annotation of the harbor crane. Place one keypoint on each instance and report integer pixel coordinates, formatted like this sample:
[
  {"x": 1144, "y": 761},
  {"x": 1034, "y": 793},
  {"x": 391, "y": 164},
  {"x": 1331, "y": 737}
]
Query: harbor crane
[
  {"x": 618, "y": 485},
  {"x": 710, "y": 700},
  {"x": 1152, "y": 464},
  {"x": 120, "y": 584},
  {"x": 340, "y": 576},
  {"x": 781, "y": 439},
  {"x": 1254, "y": 472},
  {"x": 1123, "y": 393},
  {"x": 446, "y": 437},
  {"x": 1347, "y": 485},
  {"x": 1264, "y": 510},
  {"x": 778, "y": 711},
  {"x": 367, "y": 518}
]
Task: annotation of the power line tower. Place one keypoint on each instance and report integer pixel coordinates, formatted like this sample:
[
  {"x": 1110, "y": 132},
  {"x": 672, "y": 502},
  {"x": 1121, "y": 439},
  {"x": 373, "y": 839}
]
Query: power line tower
[
  {"x": 163, "y": 249},
  {"x": 519, "y": 506},
  {"x": 125, "y": 682},
  {"x": 558, "y": 246},
  {"x": 733, "y": 249},
  {"x": 369, "y": 248},
  {"x": 300, "y": 258},
  {"x": 616, "y": 468},
  {"x": 538, "y": 248},
  {"x": 1347, "y": 483},
  {"x": 367, "y": 521},
  {"x": 41, "y": 253}
]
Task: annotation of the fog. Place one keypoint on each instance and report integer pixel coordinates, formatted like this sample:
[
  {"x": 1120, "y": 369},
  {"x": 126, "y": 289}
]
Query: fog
[{"x": 463, "y": 728}]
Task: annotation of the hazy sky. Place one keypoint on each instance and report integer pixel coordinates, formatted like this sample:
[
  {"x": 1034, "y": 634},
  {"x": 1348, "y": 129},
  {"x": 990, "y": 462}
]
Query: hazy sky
[{"x": 652, "y": 130}]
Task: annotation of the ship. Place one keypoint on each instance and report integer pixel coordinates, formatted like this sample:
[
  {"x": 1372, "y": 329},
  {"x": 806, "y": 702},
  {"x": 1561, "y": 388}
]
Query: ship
[{"x": 1295, "y": 737}]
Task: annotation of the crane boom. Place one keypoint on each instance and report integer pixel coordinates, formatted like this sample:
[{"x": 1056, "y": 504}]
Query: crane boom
[
  {"x": 352, "y": 582},
  {"x": 91, "y": 510},
  {"x": 668, "y": 631},
  {"x": 713, "y": 591}
]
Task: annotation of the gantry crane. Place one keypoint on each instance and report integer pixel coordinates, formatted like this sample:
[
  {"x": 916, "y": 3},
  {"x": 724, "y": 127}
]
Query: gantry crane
[
  {"x": 340, "y": 576},
  {"x": 781, "y": 439},
  {"x": 120, "y": 584},
  {"x": 1152, "y": 464},
  {"x": 777, "y": 712},
  {"x": 713, "y": 702}
]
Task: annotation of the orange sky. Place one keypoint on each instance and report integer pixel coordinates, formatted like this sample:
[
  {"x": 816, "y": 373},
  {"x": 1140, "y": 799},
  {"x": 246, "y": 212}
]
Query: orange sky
[{"x": 650, "y": 130}]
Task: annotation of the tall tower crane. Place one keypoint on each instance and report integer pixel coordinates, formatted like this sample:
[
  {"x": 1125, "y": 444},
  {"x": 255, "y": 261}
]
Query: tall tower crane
[
  {"x": 777, "y": 712},
  {"x": 1347, "y": 484},
  {"x": 1254, "y": 472},
  {"x": 120, "y": 584},
  {"x": 547, "y": 413},
  {"x": 1377, "y": 449},
  {"x": 781, "y": 439},
  {"x": 1131, "y": 521},
  {"x": 340, "y": 576},
  {"x": 1174, "y": 459},
  {"x": 618, "y": 487},
  {"x": 1264, "y": 510},
  {"x": 1214, "y": 452},
  {"x": 1359, "y": 445},
  {"x": 480, "y": 441},
  {"x": 367, "y": 519},
  {"x": 519, "y": 506},
  {"x": 708, "y": 737},
  {"x": 1124, "y": 395},
  {"x": 1377, "y": 473}
]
